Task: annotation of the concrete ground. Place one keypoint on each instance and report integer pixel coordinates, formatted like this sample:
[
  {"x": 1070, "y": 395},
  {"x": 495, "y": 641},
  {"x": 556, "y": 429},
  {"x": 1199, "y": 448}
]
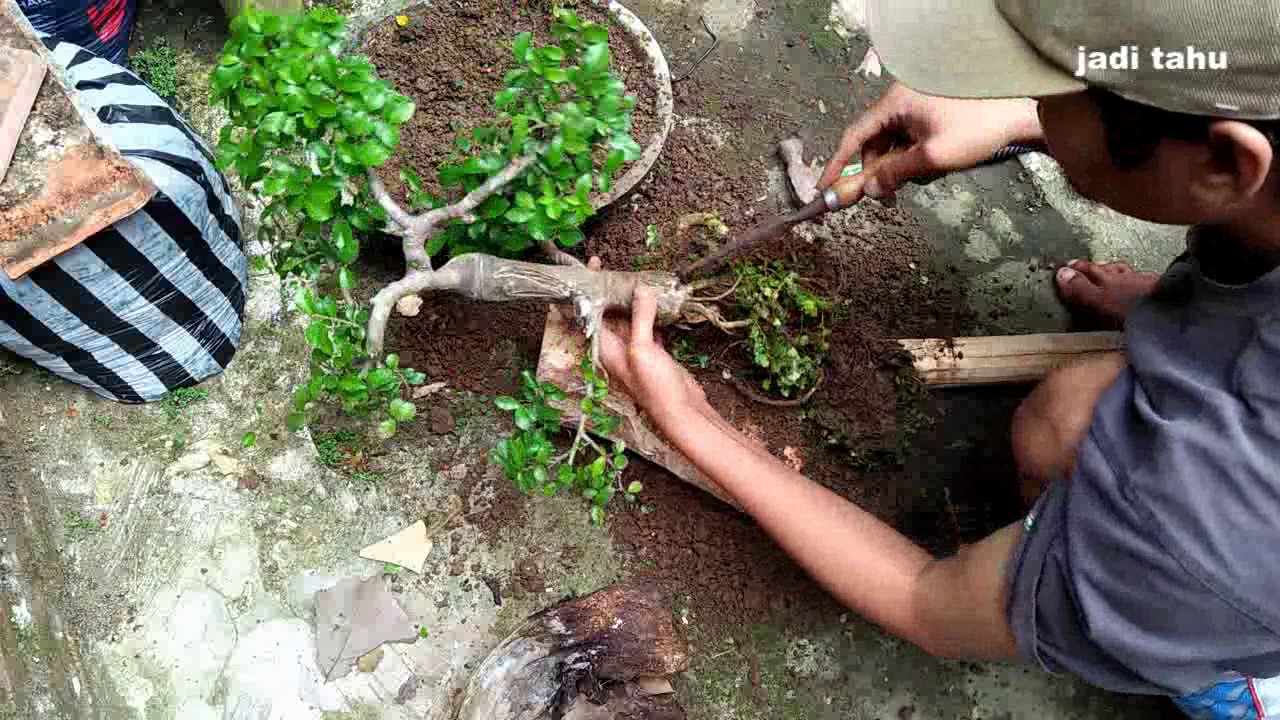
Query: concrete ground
[{"x": 152, "y": 568}]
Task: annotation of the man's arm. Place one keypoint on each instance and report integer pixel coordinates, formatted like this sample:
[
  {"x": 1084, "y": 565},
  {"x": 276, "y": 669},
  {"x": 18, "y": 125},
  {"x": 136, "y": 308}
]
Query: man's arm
[{"x": 950, "y": 607}]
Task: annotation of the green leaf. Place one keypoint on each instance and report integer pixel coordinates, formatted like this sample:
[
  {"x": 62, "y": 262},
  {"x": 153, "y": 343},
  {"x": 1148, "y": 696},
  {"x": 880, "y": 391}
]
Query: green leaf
[
  {"x": 273, "y": 122},
  {"x": 357, "y": 122},
  {"x": 375, "y": 97},
  {"x": 372, "y": 154},
  {"x": 551, "y": 54},
  {"x": 401, "y": 410},
  {"x": 524, "y": 418},
  {"x": 344, "y": 242},
  {"x": 317, "y": 335},
  {"x": 318, "y": 209},
  {"x": 389, "y": 135},
  {"x": 570, "y": 237},
  {"x": 506, "y": 403},
  {"x": 494, "y": 207},
  {"x": 521, "y": 47},
  {"x": 346, "y": 279},
  {"x": 595, "y": 59},
  {"x": 525, "y": 200},
  {"x": 505, "y": 98},
  {"x": 597, "y": 516},
  {"x": 387, "y": 429},
  {"x": 248, "y": 440},
  {"x": 296, "y": 421},
  {"x": 594, "y": 33},
  {"x": 251, "y": 98},
  {"x": 518, "y": 215},
  {"x": 555, "y": 75},
  {"x": 399, "y": 110},
  {"x": 226, "y": 77},
  {"x": 634, "y": 488},
  {"x": 324, "y": 108},
  {"x": 409, "y": 177},
  {"x": 320, "y": 88}
]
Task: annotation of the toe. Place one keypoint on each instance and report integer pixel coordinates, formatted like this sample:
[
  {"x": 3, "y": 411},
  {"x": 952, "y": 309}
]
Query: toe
[{"x": 1077, "y": 287}]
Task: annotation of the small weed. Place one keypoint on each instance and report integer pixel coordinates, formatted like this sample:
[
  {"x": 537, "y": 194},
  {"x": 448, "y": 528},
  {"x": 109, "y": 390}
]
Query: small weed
[
  {"x": 78, "y": 526},
  {"x": 685, "y": 353},
  {"x": 651, "y": 237},
  {"x": 788, "y": 326},
  {"x": 367, "y": 476},
  {"x": 102, "y": 421},
  {"x": 424, "y": 633},
  {"x": 391, "y": 569},
  {"x": 333, "y": 447},
  {"x": 8, "y": 366},
  {"x": 158, "y": 67},
  {"x": 646, "y": 261},
  {"x": 176, "y": 401}
]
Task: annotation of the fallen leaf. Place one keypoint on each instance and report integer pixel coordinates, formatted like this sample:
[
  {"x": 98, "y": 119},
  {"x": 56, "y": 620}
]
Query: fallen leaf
[
  {"x": 408, "y": 548},
  {"x": 652, "y": 685},
  {"x": 354, "y": 617},
  {"x": 72, "y": 412},
  {"x": 369, "y": 661},
  {"x": 425, "y": 390}
]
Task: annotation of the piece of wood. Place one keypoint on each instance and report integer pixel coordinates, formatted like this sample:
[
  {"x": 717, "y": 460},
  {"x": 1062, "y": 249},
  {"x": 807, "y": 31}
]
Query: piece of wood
[
  {"x": 1003, "y": 359},
  {"x": 64, "y": 184},
  {"x": 21, "y": 75}
]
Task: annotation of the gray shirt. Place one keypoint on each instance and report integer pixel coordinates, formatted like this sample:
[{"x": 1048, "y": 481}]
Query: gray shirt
[{"x": 1156, "y": 568}]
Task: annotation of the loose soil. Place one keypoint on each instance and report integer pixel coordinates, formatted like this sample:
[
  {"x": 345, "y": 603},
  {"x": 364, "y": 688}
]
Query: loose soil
[
  {"x": 874, "y": 262},
  {"x": 450, "y": 60}
]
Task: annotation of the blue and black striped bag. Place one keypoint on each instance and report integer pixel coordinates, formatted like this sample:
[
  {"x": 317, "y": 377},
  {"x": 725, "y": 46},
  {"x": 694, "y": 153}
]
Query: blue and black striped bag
[{"x": 155, "y": 302}]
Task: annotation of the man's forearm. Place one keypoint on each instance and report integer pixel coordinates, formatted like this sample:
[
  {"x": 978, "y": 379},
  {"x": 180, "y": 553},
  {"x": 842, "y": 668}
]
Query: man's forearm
[{"x": 862, "y": 561}]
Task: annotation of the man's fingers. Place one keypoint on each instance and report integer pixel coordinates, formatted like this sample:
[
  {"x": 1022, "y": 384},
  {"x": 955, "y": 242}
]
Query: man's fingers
[
  {"x": 894, "y": 169},
  {"x": 644, "y": 312},
  {"x": 855, "y": 136}
]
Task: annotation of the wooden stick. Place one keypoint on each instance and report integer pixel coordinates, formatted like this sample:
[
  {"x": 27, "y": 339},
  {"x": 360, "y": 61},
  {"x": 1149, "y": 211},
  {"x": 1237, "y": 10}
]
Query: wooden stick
[{"x": 1003, "y": 359}]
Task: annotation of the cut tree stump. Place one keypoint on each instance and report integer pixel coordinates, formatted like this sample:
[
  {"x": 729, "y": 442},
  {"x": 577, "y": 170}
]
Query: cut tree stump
[
  {"x": 582, "y": 659},
  {"x": 1003, "y": 359}
]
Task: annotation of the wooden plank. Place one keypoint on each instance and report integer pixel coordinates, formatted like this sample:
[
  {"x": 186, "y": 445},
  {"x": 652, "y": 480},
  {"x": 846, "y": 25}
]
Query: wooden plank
[
  {"x": 21, "y": 75},
  {"x": 64, "y": 184},
  {"x": 1003, "y": 359}
]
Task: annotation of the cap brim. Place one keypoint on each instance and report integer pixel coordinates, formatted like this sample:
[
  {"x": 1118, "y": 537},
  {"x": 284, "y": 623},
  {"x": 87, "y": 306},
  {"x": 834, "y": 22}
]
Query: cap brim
[{"x": 961, "y": 48}]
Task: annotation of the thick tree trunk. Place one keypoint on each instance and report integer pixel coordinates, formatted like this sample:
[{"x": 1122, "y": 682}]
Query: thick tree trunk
[{"x": 570, "y": 659}]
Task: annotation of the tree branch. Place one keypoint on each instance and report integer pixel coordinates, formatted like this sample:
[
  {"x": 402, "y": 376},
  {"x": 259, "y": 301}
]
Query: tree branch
[
  {"x": 489, "y": 278},
  {"x": 466, "y": 205}
]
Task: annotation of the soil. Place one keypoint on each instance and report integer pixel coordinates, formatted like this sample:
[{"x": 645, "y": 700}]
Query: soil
[{"x": 459, "y": 53}]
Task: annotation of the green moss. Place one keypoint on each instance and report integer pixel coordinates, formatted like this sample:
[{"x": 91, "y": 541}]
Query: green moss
[
  {"x": 158, "y": 66},
  {"x": 812, "y": 18}
]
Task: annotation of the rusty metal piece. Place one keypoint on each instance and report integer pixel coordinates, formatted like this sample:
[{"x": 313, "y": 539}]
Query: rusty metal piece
[{"x": 65, "y": 184}]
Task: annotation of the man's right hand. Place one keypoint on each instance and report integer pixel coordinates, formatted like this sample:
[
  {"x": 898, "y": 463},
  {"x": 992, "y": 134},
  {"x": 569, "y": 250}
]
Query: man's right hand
[{"x": 920, "y": 136}]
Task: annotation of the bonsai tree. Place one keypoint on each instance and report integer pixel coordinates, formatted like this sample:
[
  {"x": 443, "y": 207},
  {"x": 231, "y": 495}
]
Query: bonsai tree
[{"x": 309, "y": 127}]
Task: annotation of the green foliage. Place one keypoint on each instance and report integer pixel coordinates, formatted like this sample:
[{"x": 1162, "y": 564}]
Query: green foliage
[
  {"x": 652, "y": 239},
  {"x": 158, "y": 67},
  {"x": 788, "y": 332},
  {"x": 684, "y": 351},
  {"x": 176, "y": 401},
  {"x": 563, "y": 103},
  {"x": 333, "y": 447},
  {"x": 528, "y": 456},
  {"x": 307, "y": 122}
]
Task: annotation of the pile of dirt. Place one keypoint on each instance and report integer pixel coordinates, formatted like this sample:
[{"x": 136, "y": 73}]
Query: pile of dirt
[{"x": 450, "y": 59}]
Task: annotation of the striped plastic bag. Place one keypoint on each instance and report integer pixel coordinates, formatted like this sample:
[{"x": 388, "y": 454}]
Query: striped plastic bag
[
  {"x": 102, "y": 27},
  {"x": 155, "y": 302}
]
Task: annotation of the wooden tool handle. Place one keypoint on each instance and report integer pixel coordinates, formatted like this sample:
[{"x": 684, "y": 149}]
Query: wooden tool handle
[{"x": 847, "y": 190}]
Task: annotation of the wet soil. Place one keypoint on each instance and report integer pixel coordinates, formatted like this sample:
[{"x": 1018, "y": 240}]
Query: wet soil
[{"x": 451, "y": 59}]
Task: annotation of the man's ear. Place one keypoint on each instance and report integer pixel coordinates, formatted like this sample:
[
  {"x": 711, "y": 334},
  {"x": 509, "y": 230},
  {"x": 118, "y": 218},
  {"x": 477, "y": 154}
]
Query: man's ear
[{"x": 1236, "y": 166}]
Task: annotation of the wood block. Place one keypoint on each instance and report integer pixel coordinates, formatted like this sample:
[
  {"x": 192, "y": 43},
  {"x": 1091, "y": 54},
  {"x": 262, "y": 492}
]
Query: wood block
[
  {"x": 21, "y": 74},
  {"x": 1003, "y": 359}
]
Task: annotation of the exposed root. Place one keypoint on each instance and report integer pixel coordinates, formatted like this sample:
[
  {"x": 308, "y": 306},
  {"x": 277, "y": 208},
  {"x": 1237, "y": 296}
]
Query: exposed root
[
  {"x": 754, "y": 396},
  {"x": 558, "y": 256},
  {"x": 713, "y": 316}
]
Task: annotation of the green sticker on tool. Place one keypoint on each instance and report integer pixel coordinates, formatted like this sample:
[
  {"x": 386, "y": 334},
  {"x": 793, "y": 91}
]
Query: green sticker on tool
[{"x": 850, "y": 170}]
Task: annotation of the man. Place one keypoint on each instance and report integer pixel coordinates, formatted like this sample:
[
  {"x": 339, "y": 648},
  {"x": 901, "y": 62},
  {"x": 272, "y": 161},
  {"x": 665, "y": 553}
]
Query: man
[{"x": 1149, "y": 564}]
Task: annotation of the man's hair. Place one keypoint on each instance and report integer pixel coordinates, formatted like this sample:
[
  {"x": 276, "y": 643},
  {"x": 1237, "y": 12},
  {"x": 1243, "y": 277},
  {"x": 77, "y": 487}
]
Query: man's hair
[{"x": 1134, "y": 130}]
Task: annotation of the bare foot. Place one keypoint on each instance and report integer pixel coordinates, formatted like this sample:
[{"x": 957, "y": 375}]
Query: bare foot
[{"x": 1102, "y": 294}]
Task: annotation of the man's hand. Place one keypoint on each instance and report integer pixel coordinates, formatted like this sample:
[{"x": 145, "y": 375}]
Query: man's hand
[
  {"x": 634, "y": 358},
  {"x": 919, "y": 136}
]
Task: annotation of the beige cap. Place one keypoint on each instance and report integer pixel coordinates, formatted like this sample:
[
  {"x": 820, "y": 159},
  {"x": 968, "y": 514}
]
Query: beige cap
[{"x": 1165, "y": 53}]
